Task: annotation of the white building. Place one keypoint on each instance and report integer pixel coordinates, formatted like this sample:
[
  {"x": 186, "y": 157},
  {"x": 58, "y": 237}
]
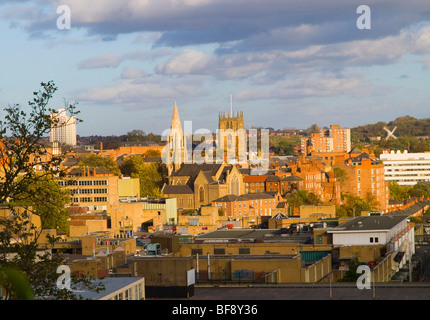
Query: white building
[
  {"x": 64, "y": 131},
  {"x": 390, "y": 230},
  {"x": 406, "y": 168}
]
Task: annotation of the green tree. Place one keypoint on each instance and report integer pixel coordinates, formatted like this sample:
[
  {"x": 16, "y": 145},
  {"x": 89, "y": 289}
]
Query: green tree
[
  {"x": 47, "y": 200},
  {"x": 354, "y": 205},
  {"x": 398, "y": 192},
  {"x": 420, "y": 189},
  {"x": 151, "y": 176},
  {"x": 351, "y": 275},
  {"x": 136, "y": 135},
  {"x": 341, "y": 175},
  {"x": 100, "y": 162},
  {"x": 303, "y": 197},
  {"x": 21, "y": 150}
]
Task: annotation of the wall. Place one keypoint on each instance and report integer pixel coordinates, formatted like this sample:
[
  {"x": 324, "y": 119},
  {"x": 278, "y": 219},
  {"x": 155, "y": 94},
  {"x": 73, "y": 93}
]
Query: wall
[
  {"x": 129, "y": 187},
  {"x": 307, "y": 211}
]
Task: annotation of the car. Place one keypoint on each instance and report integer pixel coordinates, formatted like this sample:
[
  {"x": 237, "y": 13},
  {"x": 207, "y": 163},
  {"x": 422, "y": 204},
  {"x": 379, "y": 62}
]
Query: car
[{"x": 144, "y": 236}]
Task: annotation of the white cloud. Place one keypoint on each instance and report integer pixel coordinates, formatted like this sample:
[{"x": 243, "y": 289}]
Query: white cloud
[{"x": 108, "y": 60}]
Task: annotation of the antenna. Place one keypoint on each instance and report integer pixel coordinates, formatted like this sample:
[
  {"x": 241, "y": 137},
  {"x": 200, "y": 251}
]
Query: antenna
[{"x": 231, "y": 104}]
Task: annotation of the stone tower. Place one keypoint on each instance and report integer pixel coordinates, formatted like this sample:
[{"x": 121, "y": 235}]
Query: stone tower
[{"x": 232, "y": 129}]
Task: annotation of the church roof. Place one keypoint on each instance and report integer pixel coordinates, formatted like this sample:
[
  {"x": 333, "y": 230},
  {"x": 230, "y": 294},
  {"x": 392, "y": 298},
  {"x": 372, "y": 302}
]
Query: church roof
[
  {"x": 177, "y": 189},
  {"x": 192, "y": 170}
]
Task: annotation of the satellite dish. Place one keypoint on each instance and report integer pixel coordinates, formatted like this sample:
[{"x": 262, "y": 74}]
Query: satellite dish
[{"x": 390, "y": 134}]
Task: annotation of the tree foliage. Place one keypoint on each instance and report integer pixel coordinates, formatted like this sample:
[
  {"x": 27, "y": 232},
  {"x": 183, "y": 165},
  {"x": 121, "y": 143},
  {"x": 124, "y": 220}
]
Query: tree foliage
[
  {"x": 353, "y": 205},
  {"x": 100, "y": 162},
  {"x": 284, "y": 145},
  {"x": 303, "y": 197},
  {"x": 151, "y": 175},
  {"x": 26, "y": 271},
  {"x": 47, "y": 200}
]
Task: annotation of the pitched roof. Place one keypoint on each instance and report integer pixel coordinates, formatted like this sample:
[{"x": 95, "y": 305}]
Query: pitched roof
[
  {"x": 293, "y": 178},
  {"x": 177, "y": 189},
  {"x": 246, "y": 197},
  {"x": 193, "y": 169}
]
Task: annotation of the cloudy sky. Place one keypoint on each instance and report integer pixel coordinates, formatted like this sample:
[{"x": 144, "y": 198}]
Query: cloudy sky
[{"x": 286, "y": 63}]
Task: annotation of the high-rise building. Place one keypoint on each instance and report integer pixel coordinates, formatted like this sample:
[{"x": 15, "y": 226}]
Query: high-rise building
[
  {"x": 64, "y": 129},
  {"x": 334, "y": 139}
]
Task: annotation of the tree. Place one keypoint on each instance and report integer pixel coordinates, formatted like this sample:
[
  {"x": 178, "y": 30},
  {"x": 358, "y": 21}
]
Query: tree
[
  {"x": 341, "y": 175},
  {"x": 136, "y": 135},
  {"x": 303, "y": 197},
  {"x": 153, "y": 153},
  {"x": 398, "y": 192},
  {"x": 100, "y": 162},
  {"x": 420, "y": 189},
  {"x": 151, "y": 176},
  {"x": 21, "y": 151},
  {"x": 47, "y": 200},
  {"x": 354, "y": 205},
  {"x": 351, "y": 275}
]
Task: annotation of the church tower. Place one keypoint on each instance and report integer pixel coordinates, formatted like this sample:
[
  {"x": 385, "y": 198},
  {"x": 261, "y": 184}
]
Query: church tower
[{"x": 232, "y": 130}]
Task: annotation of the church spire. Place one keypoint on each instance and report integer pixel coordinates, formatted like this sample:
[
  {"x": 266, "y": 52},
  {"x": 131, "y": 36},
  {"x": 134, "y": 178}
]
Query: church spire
[{"x": 176, "y": 121}]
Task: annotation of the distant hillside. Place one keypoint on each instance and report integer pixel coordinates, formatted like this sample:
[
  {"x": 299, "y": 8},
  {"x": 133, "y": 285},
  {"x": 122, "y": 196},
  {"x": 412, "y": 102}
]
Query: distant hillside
[{"x": 407, "y": 126}]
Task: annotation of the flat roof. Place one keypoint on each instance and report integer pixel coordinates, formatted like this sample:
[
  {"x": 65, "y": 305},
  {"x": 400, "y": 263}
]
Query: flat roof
[
  {"x": 111, "y": 285},
  {"x": 370, "y": 223},
  {"x": 237, "y": 234}
]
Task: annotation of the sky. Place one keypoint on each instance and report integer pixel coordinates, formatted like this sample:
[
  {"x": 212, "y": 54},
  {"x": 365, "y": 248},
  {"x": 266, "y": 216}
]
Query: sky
[{"x": 284, "y": 63}]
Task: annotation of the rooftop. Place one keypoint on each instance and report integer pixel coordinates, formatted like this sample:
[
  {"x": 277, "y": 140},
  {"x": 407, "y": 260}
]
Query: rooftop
[
  {"x": 370, "y": 223},
  {"x": 111, "y": 285}
]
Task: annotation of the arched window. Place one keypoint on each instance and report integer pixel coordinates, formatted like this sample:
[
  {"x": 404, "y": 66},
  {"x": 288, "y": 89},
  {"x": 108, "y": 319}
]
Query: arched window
[{"x": 201, "y": 194}]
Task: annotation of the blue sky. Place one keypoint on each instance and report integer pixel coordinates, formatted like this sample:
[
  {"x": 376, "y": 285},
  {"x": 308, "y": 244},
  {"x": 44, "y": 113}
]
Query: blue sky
[{"x": 287, "y": 64}]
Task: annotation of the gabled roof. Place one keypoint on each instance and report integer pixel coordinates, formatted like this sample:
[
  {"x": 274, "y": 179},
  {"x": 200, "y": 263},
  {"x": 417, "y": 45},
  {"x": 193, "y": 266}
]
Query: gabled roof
[
  {"x": 279, "y": 216},
  {"x": 193, "y": 169},
  {"x": 177, "y": 189},
  {"x": 293, "y": 178},
  {"x": 246, "y": 197}
]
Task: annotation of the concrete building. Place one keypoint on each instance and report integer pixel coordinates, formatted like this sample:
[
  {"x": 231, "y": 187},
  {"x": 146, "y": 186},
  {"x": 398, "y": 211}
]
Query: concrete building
[
  {"x": 64, "y": 129},
  {"x": 406, "y": 168}
]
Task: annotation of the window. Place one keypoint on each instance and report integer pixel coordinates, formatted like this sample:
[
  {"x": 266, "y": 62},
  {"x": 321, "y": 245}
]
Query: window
[
  {"x": 201, "y": 194},
  {"x": 219, "y": 251},
  {"x": 376, "y": 240},
  {"x": 244, "y": 251},
  {"x": 196, "y": 251},
  {"x": 100, "y": 182},
  {"x": 371, "y": 239}
]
